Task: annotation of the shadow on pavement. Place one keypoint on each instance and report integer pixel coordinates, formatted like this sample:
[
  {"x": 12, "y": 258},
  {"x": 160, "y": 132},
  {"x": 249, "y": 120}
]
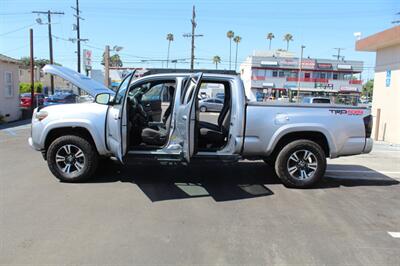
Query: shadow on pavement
[
  {"x": 222, "y": 182},
  {"x": 15, "y": 124}
]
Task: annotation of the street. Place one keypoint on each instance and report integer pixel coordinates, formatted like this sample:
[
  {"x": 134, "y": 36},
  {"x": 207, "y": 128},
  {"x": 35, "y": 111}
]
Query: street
[{"x": 200, "y": 214}]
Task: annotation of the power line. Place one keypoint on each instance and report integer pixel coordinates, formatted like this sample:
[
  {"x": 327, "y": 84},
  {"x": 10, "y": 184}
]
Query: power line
[{"x": 12, "y": 31}]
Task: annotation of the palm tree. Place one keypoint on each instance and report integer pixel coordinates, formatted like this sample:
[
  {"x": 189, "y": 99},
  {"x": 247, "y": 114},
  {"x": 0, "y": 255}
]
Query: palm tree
[
  {"x": 288, "y": 38},
  {"x": 216, "y": 61},
  {"x": 237, "y": 40},
  {"x": 230, "y": 35},
  {"x": 270, "y": 36},
  {"x": 170, "y": 38}
]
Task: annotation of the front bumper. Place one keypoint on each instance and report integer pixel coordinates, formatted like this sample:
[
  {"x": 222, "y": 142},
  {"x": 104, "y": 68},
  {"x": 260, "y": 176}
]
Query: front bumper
[
  {"x": 32, "y": 144},
  {"x": 369, "y": 143}
]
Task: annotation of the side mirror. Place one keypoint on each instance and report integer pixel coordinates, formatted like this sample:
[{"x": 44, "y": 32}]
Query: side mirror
[{"x": 103, "y": 98}]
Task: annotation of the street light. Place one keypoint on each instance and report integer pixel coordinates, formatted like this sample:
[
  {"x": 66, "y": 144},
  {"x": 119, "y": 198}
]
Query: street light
[
  {"x": 117, "y": 48},
  {"x": 298, "y": 78}
]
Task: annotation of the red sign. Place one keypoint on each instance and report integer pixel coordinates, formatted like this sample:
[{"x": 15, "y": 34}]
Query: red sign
[
  {"x": 288, "y": 62},
  {"x": 324, "y": 65},
  {"x": 308, "y": 64}
]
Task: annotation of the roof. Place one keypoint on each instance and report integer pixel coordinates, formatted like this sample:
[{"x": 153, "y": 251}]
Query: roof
[
  {"x": 4, "y": 58},
  {"x": 380, "y": 40}
]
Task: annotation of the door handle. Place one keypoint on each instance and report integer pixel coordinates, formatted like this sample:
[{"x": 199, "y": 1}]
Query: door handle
[
  {"x": 184, "y": 117},
  {"x": 116, "y": 116}
]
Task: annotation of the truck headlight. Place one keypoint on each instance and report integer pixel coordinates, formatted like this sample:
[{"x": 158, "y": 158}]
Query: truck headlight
[{"x": 41, "y": 115}]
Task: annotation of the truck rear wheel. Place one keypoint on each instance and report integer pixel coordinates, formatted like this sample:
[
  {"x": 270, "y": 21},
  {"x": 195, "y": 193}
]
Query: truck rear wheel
[
  {"x": 72, "y": 158},
  {"x": 301, "y": 163}
]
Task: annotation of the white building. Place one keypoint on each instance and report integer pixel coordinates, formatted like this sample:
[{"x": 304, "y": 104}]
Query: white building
[
  {"x": 275, "y": 74},
  {"x": 386, "y": 99}
]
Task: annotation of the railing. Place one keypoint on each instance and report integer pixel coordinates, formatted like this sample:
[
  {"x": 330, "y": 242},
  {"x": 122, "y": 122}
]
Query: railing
[{"x": 307, "y": 79}]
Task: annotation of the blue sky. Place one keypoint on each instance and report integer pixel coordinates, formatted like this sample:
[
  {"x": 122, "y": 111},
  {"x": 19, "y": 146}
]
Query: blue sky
[{"x": 141, "y": 27}]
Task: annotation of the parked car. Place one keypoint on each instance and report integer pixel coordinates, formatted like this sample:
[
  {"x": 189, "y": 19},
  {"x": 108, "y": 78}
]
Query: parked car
[
  {"x": 316, "y": 100},
  {"x": 61, "y": 98},
  {"x": 211, "y": 105},
  {"x": 220, "y": 95},
  {"x": 294, "y": 139},
  {"x": 26, "y": 100}
]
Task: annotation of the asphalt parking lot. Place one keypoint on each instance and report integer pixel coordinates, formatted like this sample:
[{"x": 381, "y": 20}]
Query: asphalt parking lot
[{"x": 201, "y": 214}]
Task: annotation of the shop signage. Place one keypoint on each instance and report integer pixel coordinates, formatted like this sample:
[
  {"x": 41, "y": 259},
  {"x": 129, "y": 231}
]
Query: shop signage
[
  {"x": 324, "y": 66},
  {"x": 87, "y": 59},
  {"x": 269, "y": 63},
  {"x": 349, "y": 89},
  {"x": 347, "y": 67},
  {"x": 308, "y": 64},
  {"x": 388, "y": 77},
  {"x": 268, "y": 84},
  {"x": 288, "y": 63}
]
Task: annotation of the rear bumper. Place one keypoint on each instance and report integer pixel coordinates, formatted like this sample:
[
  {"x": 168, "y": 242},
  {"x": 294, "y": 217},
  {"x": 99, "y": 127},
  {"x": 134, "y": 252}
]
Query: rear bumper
[{"x": 369, "y": 143}]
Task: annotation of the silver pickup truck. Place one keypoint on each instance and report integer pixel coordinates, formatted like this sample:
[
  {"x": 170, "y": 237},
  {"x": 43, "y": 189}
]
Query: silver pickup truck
[{"x": 157, "y": 117}]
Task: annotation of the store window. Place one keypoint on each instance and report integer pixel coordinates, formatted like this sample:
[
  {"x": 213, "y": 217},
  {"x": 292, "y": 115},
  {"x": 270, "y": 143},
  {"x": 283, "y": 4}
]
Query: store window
[
  {"x": 281, "y": 74},
  {"x": 274, "y": 73}
]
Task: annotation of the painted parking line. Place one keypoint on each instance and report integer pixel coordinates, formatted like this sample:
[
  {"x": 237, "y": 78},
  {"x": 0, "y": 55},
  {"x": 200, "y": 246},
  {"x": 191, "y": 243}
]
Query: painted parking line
[
  {"x": 10, "y": 132},
  {"x": 362, "y": 171},
  {"x": 394, "y": 234}
]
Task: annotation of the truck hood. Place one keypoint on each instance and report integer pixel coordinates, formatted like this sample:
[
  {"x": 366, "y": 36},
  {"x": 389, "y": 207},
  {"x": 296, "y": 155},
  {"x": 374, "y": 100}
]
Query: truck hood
[{"x": 83, "y": 82}]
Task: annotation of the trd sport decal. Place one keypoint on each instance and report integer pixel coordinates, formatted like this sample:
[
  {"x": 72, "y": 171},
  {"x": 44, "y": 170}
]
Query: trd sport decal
[{"x": 346, "y": 112}]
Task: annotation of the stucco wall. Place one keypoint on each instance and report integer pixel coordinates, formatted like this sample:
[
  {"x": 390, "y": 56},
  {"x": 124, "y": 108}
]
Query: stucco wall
[
  {"x": 387, "y": 98},
  {"x": 9, "y": 106}
]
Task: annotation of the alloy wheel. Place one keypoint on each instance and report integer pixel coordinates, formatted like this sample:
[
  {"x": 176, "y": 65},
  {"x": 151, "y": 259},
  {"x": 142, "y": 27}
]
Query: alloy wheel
[{"x": 302, "y": 164}]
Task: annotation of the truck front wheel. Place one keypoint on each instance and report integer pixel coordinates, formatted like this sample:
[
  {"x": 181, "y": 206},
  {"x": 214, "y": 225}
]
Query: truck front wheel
[
  {"x": 301, "y": 163},
  {"x": 72, "y": 158}
]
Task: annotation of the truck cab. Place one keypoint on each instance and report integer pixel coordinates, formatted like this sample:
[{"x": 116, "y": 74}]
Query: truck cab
[{"x": 137, "y": 127}]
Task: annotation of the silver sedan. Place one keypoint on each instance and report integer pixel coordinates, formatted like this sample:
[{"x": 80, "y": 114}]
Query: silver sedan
[{"x": 211, "y": 104}]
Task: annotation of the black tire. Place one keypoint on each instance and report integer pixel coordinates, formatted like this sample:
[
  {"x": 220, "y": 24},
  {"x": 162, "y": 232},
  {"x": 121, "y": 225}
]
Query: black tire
[
  {"x": 203, "y": 109},
  {"x": 308, "y": 176},
  {"x": 88, "y": 164}
]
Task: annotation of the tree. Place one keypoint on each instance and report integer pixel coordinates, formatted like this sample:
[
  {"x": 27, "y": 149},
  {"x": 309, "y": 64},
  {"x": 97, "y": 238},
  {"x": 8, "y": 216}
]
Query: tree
[
  {"x": 270, "y": 36},
  {"x": 216, "y": 61},
  {"x": 230, "y": 35},
  {"x": 40, "y": 63},
  {"x": 288, "y": 38},
  {"x": 115, "y": 61},
  {"x": 170, "y": 38},
  {"x": 368, "y": 88},
  {"x": 237, "y": 40}
]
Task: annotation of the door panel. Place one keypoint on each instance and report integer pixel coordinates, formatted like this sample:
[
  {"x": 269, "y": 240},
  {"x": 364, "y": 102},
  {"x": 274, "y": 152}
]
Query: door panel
[
  {"x": 116, "y": 123},
  {"x": 187, "y": 114}
]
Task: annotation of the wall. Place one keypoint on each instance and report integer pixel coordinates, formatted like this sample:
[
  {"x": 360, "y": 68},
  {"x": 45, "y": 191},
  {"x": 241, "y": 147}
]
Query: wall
[
  {"x": 9, "y": 105},
  {"x": 387, "y": 98}
]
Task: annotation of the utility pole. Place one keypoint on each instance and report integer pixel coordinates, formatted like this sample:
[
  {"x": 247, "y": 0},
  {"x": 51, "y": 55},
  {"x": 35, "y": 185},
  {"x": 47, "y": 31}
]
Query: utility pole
[
  {"x": 338, "y": 53},
  {"x": 78, "y": 34},
  {"x": 299, "y": 77},
  {"x": 107, "y": 66},
  {"x": 193, "y": 35},
  {"x": 49, "y": 13},
  {"x": 32, "y": 70}
]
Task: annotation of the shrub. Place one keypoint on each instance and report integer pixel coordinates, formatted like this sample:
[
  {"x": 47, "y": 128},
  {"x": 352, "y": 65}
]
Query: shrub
[{"x": 25, "y": 87}]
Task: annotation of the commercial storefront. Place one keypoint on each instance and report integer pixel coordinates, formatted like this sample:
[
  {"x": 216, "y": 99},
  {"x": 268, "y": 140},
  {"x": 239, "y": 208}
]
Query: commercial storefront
[
  {"x": 276, "y": 75},
  {"x": 386, "y": 96}
]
